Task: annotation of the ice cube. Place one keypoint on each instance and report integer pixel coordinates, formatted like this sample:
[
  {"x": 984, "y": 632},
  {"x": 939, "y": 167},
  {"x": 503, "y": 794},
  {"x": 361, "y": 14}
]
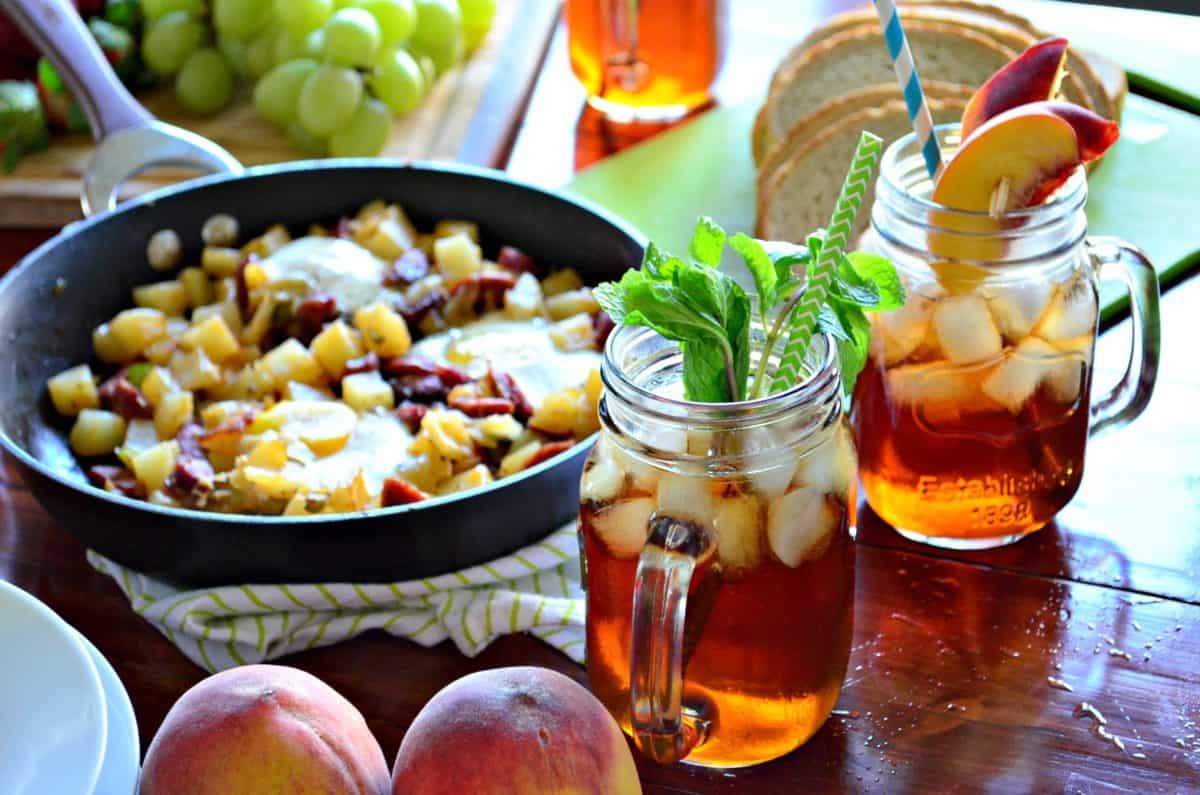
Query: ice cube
[
  {"x": 686, "y": 497},
  {"x": 1065, "y": 380},
  {"x": 1016, "y": 308},
  {"x": 936, "y": 383},
  {"x": 964, "y": 328},
  {"x": 770, "y": 474},
  {"x": 1071, "y": 313},
  {"x": 799, "y": 525},
  {"x": 832, "y": 467},
  {"x": 1015, "y": 379},
  {"x": 603, "y": 478},
  {"x": 623, "y": 526},
  {"x": 738, "y": 521},
  {"x": 771, "y": 481},
  {"x": 901, "y": 331}
]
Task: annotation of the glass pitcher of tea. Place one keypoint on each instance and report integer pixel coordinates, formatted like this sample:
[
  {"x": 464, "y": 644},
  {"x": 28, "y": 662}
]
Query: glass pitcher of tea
[
  {"x": 717, "y": 556},
  {"x": 974, "y": 409},
  {"x": 646, "y": 61}
]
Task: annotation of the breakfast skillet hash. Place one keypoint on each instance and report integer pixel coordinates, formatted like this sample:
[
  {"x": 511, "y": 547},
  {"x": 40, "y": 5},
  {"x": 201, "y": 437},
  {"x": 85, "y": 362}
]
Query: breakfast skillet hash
[{"x": 352, "y": 368}]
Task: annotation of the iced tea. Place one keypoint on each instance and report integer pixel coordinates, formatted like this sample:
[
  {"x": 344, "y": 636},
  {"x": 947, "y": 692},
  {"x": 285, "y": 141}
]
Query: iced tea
[
  {"x": 971, "y": 416},
  {"x": 730, "y": 527},
  {"x": 653, "y": 60}
]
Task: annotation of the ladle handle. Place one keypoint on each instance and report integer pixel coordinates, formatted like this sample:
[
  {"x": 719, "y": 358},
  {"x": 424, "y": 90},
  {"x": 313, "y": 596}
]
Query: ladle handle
[{"x": 56, "y": 29}]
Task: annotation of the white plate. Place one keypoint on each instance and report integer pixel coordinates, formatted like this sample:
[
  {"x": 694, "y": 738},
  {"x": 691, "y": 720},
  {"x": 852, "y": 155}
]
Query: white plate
[
  {"x": 122, "y": 752},
  {"x": 53, "y": 725}
]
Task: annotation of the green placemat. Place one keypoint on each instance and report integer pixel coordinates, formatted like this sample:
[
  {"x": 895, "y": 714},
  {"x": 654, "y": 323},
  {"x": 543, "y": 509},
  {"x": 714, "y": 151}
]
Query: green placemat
[
  {"x": 1159, "y": 51},
  {"x": 1145, "y": 190}
]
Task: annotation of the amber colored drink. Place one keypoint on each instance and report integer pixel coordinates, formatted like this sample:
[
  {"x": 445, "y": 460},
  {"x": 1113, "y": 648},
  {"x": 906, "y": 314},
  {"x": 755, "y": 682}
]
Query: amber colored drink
[{"x": 653, "y": 60}]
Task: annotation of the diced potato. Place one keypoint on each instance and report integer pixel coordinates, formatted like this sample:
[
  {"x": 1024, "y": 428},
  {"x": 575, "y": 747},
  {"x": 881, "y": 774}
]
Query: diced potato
[
  {"x": 154, "y": 465},
  {"x": 335, "y": 345},
  {"x": 226, "y": 310},
  {"x": 457, "y": 257},
  {"x": 387, "y": 240},
  {"x": 558, "y": 413},
  {"x": 157, "y": 384},
  {"x": 423, "y": 287},
  {"x": 294, "y": 390},
  {"x": 425, "y": 471},
  {"x": 241, "y": 384},
  {"x": 476, "y": 476},
  {"x": 574, "y": 334},
  {"x": 170, "y": 298},
  {"x": 384, "y": 330},
  {"x": 490, "y": 431},
  {"x": 570, "y": 303},
  {"x": 212, "y": 335},
  {"x": 524, "y": 300},
  {"x": 450, "y": 227},
  {"x": 561, "y": 281},
  {"x": 214, "y": 414},
  {"x": 193, "y": 370},
  {"x": 220, "y": 262},
  {"x": 324, "y": 427},
  {"x": 196, "y": 286},
  {"x": 444, "y": 433},
  {"x": 164, "y": 250},
  {"x": 139, "y": 435},
  {"x": 106, "y": 346},
  {"x": 270, "y": 483},
  {"x": 268, "y": 453},
  {"x": 352, "y": 496},
  {"x": 289, "y": 361},
  {"x": 160, "y": 351},
  {"x": 97, "y": 432},
  {"x": 254, "y": 276},
  {"x": 365, "y": 391},
  {"x": 135, "y": 329},
  {"x": 268, "y": 243},
  {"x": 173, "y": 412},
  {"x": 225, "y": 290},
  {"x": 587, "y": 419},
  {"x": 74, "y": 390},
  {"x": 594, "y": 387},
  {"x": 519, "y": 458}
]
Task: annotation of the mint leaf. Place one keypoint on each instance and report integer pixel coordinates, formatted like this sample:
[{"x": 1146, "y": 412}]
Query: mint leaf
[
  {"x": 849, "y": 287},
  {"x": 761, "y": 268},
  {"x": 708, "y": 240},
  {"x": 704, "y": 376},
  {"x": 851, "y": 331},
  {"x": 880, "y": 272}
]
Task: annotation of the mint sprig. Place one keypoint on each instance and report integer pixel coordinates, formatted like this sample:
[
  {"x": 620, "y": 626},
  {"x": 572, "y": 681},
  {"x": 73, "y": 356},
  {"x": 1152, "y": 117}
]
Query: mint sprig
[{"x": 691, "y": 302}]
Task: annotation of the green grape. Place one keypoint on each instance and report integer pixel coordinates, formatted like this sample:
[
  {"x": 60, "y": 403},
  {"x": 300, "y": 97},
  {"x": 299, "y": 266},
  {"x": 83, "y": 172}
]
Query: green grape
[
  {"x": 439, "y": 32},
  {"x": 328, "y": 99},
  {"x": 288, "y": 47},
  {"x": 205, "y": 83},
  {"x": 241, "y": 19},
  {"x": 276, "y": 94},
  {"x": 156, "y": 9},
  {"x": 397, "y": 18},
  {"x": 477, "y": 16},
  {"x": 169, "y": 41},
  {"x": 398, "y": 80},
  {"x": 305, "y": 142},
  {"x": 234, "y": 51},
  {"x": 301, "y": 17},
  {"x": 366, "y": 134},
  {"x": 260, "y": 53},
  {"x": 428, "y": 68},
  {"x": 351, "y": 38}
]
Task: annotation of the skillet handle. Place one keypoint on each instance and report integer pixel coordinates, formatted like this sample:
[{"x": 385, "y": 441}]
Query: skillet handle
[{"x": 129, "y": 140}]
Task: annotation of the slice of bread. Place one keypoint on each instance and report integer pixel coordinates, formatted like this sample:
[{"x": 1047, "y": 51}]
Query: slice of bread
[
  {"x": 829, "y": 113},
  {"x": 1112, "y": 77},
  {"x": 858, "y": 56},
  {"x": 798, "y": 196},
  {"x": 1083, "y": 84}
]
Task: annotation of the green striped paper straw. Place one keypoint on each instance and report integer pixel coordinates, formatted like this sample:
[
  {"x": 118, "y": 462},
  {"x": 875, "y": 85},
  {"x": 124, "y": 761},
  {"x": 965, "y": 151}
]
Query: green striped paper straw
[{"x": 804, "y": 317}]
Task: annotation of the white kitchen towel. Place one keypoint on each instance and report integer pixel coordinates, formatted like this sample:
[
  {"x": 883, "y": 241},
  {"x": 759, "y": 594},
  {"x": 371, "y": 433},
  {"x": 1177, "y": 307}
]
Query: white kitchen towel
[{"x": 535, "y": 590}]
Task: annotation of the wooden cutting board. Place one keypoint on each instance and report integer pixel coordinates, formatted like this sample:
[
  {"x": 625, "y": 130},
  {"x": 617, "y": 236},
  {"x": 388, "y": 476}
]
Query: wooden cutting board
[{"x": 470, "y": 116}]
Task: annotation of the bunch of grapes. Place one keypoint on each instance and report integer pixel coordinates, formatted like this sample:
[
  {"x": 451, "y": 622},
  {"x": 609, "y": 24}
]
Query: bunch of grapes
[{"x": 330, "y": 73}]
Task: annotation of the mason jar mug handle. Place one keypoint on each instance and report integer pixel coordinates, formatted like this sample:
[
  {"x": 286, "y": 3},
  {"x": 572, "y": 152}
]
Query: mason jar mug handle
[
  {"x": 1115, "y": 259},
  {"x": 663, "y": 728}
]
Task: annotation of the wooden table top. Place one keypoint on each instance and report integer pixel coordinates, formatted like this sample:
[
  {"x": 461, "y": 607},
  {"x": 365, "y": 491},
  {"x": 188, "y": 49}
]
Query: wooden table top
[{"x": 968, "y": 669}]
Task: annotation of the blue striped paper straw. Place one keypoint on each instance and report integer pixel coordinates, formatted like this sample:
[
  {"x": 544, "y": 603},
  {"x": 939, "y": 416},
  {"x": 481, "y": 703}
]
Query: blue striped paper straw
[{"x": 910, "y": 84}]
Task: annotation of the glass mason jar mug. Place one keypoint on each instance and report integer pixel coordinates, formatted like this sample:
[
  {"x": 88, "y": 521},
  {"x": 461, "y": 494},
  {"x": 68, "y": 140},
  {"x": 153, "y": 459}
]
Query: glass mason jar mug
[
  {"x": 973, "y": 411},
  {"x": 718, "y": 562}
]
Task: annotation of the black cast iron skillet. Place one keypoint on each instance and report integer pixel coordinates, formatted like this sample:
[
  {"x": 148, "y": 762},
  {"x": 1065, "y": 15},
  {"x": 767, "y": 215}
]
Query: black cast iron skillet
[{"x": 52, "y": 300}]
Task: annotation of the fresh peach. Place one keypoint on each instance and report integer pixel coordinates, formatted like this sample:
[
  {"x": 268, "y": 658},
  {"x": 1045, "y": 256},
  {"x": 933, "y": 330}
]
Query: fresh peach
[
  {"x": 506, "y": 730},
  {"x": 263, "y": 730},
  {"x": 1020, "y": 157},
  {"x": 1032, "y": 76}
]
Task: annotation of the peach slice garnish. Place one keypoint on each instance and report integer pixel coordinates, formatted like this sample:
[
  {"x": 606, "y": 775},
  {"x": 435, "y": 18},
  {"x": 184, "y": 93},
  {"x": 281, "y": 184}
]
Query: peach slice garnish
[{"x": 1033, "y": 76}]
